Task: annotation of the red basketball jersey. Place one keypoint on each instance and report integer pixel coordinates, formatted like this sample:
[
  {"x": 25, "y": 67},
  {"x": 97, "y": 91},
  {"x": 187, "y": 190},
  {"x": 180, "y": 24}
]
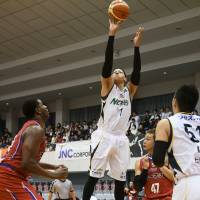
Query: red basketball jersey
[
  {"x": 11, "y": 162},
  {"x": 157, "y": 185}
]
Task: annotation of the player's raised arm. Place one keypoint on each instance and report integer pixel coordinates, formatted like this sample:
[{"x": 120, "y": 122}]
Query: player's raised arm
[
  {"x": 106, "y": 79},
  {"x": 135, "y": 76}
]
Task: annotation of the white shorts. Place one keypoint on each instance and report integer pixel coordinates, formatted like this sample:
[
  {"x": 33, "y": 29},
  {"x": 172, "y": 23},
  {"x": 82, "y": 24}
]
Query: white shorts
[
  {"x": 109, "y": 149},
  {"x": 187, "y": 188}
]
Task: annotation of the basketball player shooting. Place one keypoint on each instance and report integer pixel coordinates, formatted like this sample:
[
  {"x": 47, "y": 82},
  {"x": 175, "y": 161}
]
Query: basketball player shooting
[
  {"x": 22, "y": 158},
  {"x": 109, "y": 143}
]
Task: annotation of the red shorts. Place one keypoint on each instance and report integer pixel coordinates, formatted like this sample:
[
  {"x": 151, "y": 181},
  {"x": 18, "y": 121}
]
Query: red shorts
[{"x": 14, "y": 188}]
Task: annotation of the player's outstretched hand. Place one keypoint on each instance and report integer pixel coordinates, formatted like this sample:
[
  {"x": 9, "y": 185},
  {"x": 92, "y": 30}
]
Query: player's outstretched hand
[
  {"x": 113, "y": 26},
  {"x": 138, "y": 37}
]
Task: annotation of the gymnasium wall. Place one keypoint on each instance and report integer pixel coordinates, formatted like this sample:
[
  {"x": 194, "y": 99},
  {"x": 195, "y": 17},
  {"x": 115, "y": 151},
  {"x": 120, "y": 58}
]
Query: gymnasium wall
[
  {"x": 154, "y": 89},
  {"x": 165, "y": 87}
]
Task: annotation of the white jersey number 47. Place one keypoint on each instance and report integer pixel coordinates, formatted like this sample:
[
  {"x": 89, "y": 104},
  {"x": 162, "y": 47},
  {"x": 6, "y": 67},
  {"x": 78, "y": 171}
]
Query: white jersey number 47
[{"x": 155, "y": 188}]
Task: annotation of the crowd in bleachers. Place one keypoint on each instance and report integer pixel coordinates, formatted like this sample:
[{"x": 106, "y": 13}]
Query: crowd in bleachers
[
  {"x": 76, "y": 131},
  {"x": 148, "y": 120}
]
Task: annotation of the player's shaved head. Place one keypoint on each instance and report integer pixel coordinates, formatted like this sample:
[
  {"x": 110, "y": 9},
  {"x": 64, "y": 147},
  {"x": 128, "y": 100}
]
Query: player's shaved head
[
  {"x": 29, "y": 108},
  {"x": 187, "y": 97}
]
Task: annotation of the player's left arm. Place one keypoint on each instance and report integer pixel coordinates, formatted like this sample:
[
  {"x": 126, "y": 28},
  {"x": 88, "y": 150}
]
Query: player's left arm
[
  {"x": 141, "y": 174},
  {"x": 49, "y": 166},
  {"x": 135, "y": 76},
  {"x": 167, "y": 172},
  {"x": 161, "y": 142}
]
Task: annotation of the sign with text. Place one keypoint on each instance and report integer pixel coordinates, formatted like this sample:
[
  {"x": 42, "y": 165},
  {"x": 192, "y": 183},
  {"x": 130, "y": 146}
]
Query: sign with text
[{"x": 73, "y": 150}]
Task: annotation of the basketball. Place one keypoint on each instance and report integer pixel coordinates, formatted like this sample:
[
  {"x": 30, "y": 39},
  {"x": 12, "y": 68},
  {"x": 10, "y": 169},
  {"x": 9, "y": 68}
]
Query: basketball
[{"x": 119, "y": 10}]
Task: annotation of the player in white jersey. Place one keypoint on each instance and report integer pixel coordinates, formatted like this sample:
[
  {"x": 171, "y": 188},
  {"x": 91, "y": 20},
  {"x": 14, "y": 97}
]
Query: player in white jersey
[
  {"x": 109, "y": 143},
  {"x": 179, "y": 137}
]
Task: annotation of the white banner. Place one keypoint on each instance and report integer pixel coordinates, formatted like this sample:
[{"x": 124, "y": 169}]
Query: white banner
[
  {"x": 74, "y": 155},
  {"x": 73, "y": 150}
]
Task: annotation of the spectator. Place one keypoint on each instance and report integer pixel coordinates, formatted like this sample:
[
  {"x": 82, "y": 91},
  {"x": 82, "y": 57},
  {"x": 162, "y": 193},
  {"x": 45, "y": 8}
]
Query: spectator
[
  {"x": 136, "y": 118},
  {"x": 85, "y": 126},
  {"x": 7, "y": 133},
  {"x": 146, "y": 120},
  {"x": 141, "y": 128},
  {"x": 59, "y": 138},
  {"x": 59, "y": 126},
  {"x": 53, "y": 139},
  {"x": 132, "y": 128},
  {"x": 66, "y": 137},
  {"x": 168, "y": 112},
  {"x": 162, "y": 113},
  {"x": 94, "y": 124},
  {"x": 155, "y": 117},
  {"x": 67, "y": 131},
  {"x": 6, "y": 138}
]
